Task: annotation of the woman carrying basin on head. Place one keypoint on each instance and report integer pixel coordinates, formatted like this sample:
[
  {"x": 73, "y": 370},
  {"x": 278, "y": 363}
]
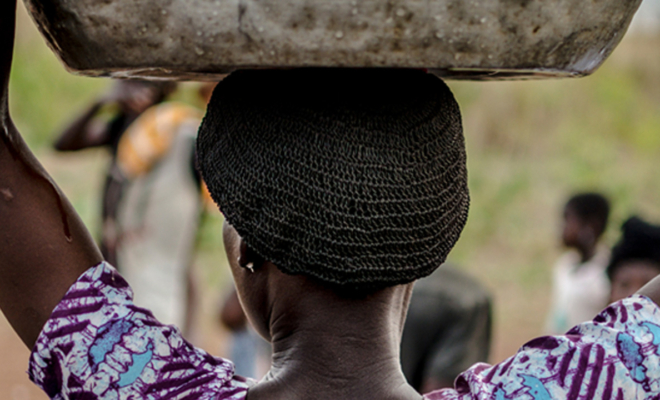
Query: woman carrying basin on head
[{"x": 340, "y": 188}]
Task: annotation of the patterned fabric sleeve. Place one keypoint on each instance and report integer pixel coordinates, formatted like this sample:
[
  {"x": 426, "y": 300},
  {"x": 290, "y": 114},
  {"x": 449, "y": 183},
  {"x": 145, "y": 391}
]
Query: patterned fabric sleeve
[
  {"x": 613, "y": 357},
  {"x": 98, "y": 345}
]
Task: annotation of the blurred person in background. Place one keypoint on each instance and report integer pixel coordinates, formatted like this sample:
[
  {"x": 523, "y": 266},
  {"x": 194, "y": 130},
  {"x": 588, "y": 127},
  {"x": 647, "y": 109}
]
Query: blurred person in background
[
  {"x": 153, "y": 193},
  {"x": 248, "y": 351},
  {"x": 447, "y": 330},
  {"x": 635, "y": 258},
  {"x": 124, "y": 102},
  {"x": 159, "y": 209},
  {"x": 580, "y": 288}
]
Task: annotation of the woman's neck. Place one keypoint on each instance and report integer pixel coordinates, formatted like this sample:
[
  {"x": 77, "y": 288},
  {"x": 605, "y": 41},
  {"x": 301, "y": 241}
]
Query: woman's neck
[{"x": 341, "y": 349}]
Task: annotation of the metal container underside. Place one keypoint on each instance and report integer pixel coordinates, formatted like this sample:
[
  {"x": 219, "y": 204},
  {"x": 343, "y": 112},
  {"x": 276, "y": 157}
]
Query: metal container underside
[{"x": 203, "y": 39}]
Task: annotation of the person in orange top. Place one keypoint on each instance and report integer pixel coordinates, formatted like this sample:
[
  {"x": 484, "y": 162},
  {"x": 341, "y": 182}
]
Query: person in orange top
[
  {"x": 126, "y": 101},
  {"x": 159, "y": 211}
]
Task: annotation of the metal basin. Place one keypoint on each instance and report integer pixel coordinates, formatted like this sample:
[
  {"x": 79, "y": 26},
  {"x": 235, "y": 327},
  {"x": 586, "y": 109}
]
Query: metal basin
[{"x": 201, "y": 39}]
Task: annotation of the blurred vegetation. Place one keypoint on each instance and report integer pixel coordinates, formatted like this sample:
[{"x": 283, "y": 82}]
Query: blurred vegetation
[{"x": 530, "y": 145}]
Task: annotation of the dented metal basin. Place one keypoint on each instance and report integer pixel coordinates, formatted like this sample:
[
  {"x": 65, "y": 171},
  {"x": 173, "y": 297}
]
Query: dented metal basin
[{"x": 200, "y": 39}]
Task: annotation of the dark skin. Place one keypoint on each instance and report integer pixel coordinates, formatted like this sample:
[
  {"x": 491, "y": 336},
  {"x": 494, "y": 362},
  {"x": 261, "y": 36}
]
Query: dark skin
[
  {"x": 579, "y": 234},
  {"x": 325, "y": 346},
  {"x": 630, "y": 276},
  {"x": 231, "y": 313},
  {"x": 133, "y": 98},
  {"x": 44, "y": 245}
]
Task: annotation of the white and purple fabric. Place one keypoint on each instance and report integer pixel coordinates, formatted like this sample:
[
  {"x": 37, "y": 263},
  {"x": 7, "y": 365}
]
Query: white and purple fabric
[
  {"x": 98, "y": 345},
  {"x": 614, "y": 357}
]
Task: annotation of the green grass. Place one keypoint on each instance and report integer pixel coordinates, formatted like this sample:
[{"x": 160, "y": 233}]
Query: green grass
[{"x": 530, "y": 145}]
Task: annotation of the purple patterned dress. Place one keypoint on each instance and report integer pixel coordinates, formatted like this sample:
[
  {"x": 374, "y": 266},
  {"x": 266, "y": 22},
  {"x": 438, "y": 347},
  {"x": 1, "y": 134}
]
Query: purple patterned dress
[
  {"x": 98, "y": 345},
  {"x": 614, "y": 357}
]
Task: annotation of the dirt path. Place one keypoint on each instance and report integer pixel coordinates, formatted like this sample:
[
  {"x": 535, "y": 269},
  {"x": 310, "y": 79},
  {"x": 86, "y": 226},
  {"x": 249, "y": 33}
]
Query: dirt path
[{"x": 14, "y": 382}]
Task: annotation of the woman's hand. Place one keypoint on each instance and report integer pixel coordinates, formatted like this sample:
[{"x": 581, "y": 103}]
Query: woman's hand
[{"x": 44, "y": 246}]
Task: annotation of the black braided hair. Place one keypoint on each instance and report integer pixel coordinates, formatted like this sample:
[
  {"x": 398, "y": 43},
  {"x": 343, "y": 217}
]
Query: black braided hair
[
  {"x": 640, "y": 241},
  {"x": 354, "y": 177}
]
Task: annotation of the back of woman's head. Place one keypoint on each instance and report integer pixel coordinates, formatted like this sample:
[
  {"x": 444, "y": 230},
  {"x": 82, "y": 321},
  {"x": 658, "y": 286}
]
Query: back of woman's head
[
  {"x": 640, "y": 241},
  {"x": 355, "y": 178}
]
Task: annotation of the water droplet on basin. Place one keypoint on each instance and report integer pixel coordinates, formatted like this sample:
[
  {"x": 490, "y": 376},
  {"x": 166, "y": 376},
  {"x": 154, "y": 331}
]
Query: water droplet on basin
[
  {"x": 483, "y": 20},
  {"x": 339, "y": 34}
]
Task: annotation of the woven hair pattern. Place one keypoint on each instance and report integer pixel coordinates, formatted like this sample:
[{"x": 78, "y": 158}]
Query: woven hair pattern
[{"x": 354, "y": 177}]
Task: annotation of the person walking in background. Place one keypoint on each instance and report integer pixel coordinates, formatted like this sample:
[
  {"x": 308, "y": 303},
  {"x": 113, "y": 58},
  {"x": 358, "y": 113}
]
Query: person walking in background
[
  {"x": 129, "y": 99},
  {"x": 159, "y": 210},
  {"x": 447, "y": 330},
  {"x": 635, "y": 258},
  {"x": 152, "y": 199},
  {"x": 580, "y": 288}
]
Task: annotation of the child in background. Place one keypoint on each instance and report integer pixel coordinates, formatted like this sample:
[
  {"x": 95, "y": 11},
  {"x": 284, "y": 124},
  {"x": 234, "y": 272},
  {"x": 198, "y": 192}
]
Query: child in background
[
  {"x": 580, "y": 288},
  {"x": 635, "y": 258}
]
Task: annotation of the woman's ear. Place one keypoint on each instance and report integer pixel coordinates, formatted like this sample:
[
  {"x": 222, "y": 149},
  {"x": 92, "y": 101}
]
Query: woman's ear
[{"x": 248, "y": 258}]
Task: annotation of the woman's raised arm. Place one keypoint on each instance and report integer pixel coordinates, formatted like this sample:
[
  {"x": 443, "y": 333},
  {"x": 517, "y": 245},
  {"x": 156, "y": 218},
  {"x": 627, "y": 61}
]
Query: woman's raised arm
[{"x": 44, "y": 246}]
